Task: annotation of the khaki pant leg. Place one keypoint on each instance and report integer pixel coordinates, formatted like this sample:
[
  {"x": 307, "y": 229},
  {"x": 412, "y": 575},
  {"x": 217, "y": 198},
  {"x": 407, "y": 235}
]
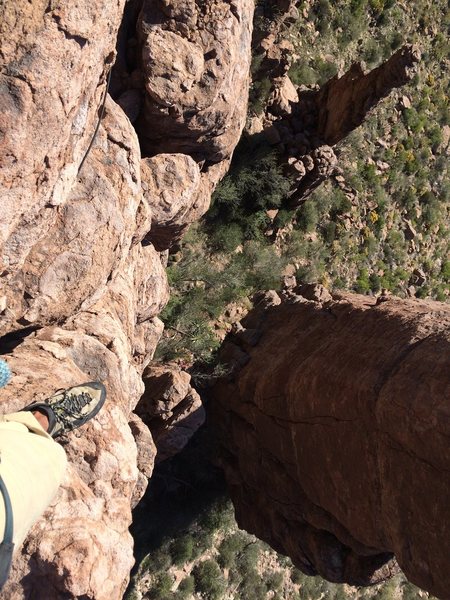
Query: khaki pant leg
[{"x": 32, "y": 466}]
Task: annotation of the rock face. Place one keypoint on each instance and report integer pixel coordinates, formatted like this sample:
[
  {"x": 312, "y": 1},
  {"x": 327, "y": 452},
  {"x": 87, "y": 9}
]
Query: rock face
[
  {"x": 82, "y": 278},
  {"x": 195, "y": 56},
  {"x": 305, "y": 125},
  {"x": 344, "y": 102},
  {"x": 333, "y": 432},
  {"x": 171, "y": 408},
  {"x": 53, "y": 64},
  {"x": 173, "y": 186}
]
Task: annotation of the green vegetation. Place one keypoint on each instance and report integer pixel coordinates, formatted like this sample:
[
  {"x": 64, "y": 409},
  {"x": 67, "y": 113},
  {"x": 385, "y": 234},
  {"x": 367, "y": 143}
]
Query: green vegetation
[
  {"x": 204, "y": 282},
  {"x": 397, "y": 162},
  {"x": 226, "y": 258},
  {"x": 209, "y": 581}
]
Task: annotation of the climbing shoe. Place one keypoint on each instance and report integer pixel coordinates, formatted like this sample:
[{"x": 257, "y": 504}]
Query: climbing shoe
[{"x": 71, "y": 408}]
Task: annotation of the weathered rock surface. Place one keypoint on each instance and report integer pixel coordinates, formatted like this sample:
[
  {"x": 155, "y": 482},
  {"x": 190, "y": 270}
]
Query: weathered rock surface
[
  {"x": 334, "y": 434},
  {"x": 173, "y": 186},
  {"x": 81, "y": 283},
  {"x": 195, "y": 56},
  {"x": 344, "y": 102},
  {"x": 53, "y": 60},
  {"x": 171, "y": 408}
]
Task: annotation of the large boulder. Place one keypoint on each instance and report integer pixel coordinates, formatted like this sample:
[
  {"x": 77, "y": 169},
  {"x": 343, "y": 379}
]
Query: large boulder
[
  {"x": 170, "y": 407},
  {"x": 173, "y": 186},
  {"x": 195, "y": 61},
  {"x": 334, "y": 428}
]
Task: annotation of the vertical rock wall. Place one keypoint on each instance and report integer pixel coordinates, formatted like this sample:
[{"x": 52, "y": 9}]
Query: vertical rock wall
[
  {"x": 81, "y": 283},
  {"x": 333, "y": 430}
]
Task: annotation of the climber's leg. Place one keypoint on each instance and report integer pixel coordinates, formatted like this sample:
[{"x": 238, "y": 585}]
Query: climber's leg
[{"x": 32, "y": 466}]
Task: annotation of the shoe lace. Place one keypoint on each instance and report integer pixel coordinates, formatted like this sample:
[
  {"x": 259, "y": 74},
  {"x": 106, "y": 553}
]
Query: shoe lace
[{"x": 70, "y": 408}]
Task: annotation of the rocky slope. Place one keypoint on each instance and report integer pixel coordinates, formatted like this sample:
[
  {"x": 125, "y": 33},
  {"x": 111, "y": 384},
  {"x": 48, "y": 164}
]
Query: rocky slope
[
  {"x": 305, "y": 123},
  {"x": 334, "y": 433},
  {"x": 81, "y": 281}
]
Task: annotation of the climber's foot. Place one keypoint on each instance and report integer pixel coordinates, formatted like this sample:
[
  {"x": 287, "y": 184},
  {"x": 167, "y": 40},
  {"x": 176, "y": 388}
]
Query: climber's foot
[{"x": 71, "y": 408}]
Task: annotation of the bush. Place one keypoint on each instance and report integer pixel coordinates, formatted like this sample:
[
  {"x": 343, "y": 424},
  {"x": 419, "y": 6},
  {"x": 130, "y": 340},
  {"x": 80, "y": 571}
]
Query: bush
[
  {"x": 303, "y": 74},
  {"x": 187, "y": 586},
  {"x": 283, "y": 218},
  {"x": 445, "y": 270},
  {"x": 259, "y": 94},
  {"x": 362, "y": 284},
  {"x": 325, "y": 70},
  {"x": 252, "y": 587},
  {"x": 181, "y": 549},
  {"x": 329, "y": 232},
  {"x": 313, "y": 588},
  {"x": 275, "y": 580},
  {"x": 218, "y": 516},
  {"x": 375, "y": 282},
  {"x": 226, "y": 238},
  {"x": 248, "y": 558},
  {"x": 203, "y": 542},
  {"x": 254, "y": 184},
  {"x": 229, "y": 548},
  {"x": 297, "y": 576},
  {"x": 157, "y": 560},
  {"x": 307, "y": 216},
  {"x": 209, "y": 581},
  {"x": 162, "y": 587}
]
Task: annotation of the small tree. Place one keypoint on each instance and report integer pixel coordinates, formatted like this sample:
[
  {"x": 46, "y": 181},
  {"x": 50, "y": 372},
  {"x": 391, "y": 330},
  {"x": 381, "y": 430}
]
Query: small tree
[
  {"x": 181, "y": 549},
  {"x": 209, "y": 581}
]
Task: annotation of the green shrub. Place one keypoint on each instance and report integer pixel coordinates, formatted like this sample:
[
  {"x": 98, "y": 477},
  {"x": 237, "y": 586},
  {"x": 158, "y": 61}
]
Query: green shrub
[
  {"x": 226, "y": 238},
  {"x": 161, "y": 588},
  {"x": 325, "y": 70},
  {"x": 157, "y": 560},
  {"x": 229, "y": 548},
  {"x": 203, "y": 541},
  {"x": 312, "y": 588},
  {"x": 362, "y": 284},
  {"x": 396, "y": 40},
  {"x": 374, "y": 282},
  {"x": 181, "y": 549},
  {"x": 254, "y": 184},
  {"x": 274, "y": 580},
  {"x": 187, "y": 586},
  {"x": 283, "y": 218},
  {"x": 297, "y": 576},
  {"x": 248, "y": 558},
  {"x": 218, "y": 516},
  {"x": 302, "y": 74},
  {"x": 307, "y": 216},
  {"x": 252, "y": 587},
  {"x": 329, "y": 232},
  {"x": 259, "y": 94},
  {"x": 209, "y": 581},
  {"x": 445, "y": 270}
]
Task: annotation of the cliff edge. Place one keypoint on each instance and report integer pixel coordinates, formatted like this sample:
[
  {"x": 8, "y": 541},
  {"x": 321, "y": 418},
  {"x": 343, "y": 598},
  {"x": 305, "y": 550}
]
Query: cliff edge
[{"x": 333, "y": 432}]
